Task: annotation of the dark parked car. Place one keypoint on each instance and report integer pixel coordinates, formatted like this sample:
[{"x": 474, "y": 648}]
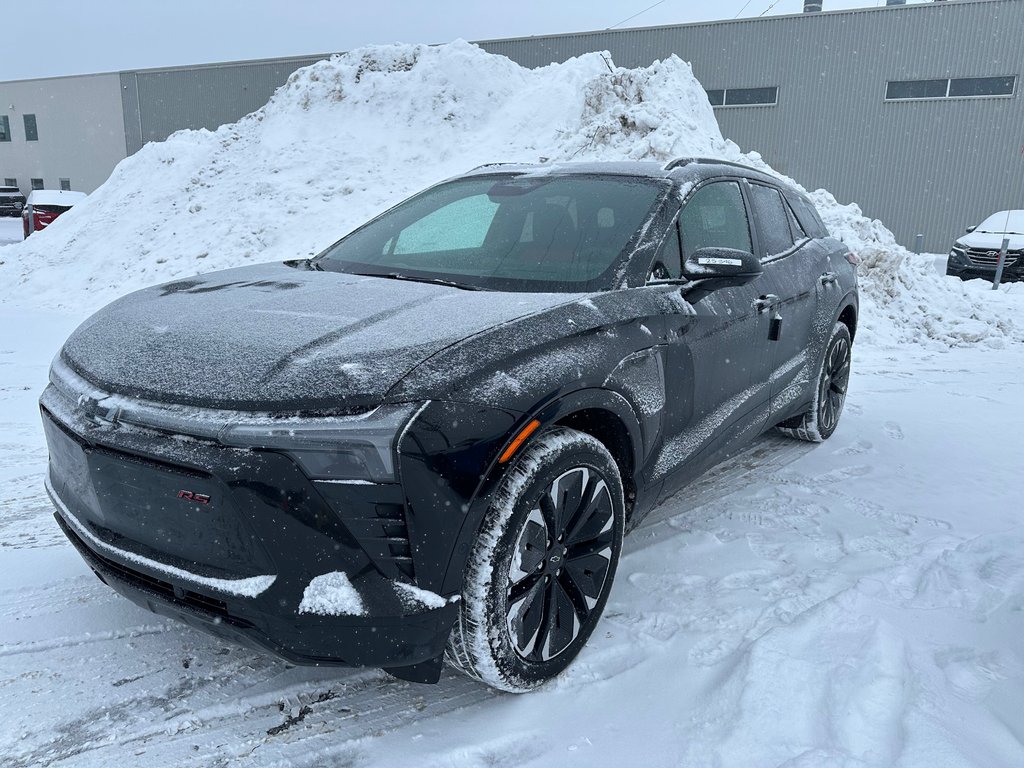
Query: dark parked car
[
  {"x": 429, "y": 440},
  {"x": 11, "y": 201},
  {"x": 44, "y": 206},
  {"x": 976, "y": 254}
]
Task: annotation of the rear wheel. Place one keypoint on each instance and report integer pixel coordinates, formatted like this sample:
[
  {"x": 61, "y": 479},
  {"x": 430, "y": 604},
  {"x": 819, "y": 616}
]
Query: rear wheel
[
  {"x": 821, "y": 420},
  {"x": 542, "y": 567}
]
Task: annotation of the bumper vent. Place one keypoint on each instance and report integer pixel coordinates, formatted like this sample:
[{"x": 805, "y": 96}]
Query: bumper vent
[{"x": 385, "y": 538}]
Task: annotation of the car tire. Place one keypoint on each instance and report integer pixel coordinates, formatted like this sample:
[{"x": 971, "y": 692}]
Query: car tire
[
  {"x": 531, "y": 599},
  {"x": 821, "y": 420}
]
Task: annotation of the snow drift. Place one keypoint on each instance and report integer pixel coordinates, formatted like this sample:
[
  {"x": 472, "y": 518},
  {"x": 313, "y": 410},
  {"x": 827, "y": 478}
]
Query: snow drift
[{"x": 347, "y": 137}]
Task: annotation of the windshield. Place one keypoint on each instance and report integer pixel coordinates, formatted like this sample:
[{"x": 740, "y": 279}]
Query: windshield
[
  {"x": 550, "y": 233},
  {"x": 1008, "y": 222}
]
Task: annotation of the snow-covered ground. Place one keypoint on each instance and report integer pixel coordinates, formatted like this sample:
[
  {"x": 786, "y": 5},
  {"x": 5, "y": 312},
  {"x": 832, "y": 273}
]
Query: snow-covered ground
[
  {"x": 858, "y": 603},
  {"x": 10, "y": 230}
]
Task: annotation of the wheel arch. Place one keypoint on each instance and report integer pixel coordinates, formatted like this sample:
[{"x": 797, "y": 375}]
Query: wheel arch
[
  {"x": 601, "y": 413},
  {"x": 848, "y": 317}
]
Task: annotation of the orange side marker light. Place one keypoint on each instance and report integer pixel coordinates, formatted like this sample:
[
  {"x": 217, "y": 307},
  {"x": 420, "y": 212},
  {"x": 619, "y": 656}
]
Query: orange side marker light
[{"x": 524, "y": 433}]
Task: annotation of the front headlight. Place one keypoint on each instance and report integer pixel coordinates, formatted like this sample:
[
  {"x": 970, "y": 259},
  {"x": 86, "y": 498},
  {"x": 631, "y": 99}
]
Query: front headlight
[
  {"x": 358, "y": 448},
  {"x": 958, "y": 252}
]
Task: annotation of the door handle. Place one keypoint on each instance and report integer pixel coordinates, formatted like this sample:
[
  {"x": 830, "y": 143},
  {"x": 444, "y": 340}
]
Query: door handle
[
  {"x": 766, "y": 302},
  {"x": 829, "y": 278}
]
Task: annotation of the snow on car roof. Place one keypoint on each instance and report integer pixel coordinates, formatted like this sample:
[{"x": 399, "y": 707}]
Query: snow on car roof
[
  {"x": 55, "y": 197},
  {"x": 1004, "y": 222}
]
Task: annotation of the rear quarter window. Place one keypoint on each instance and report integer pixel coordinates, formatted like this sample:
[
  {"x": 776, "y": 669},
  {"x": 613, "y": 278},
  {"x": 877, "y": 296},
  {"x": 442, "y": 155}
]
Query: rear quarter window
[
  {"x": 808, "y": 216},
  {"x": 772, "y": 220}
]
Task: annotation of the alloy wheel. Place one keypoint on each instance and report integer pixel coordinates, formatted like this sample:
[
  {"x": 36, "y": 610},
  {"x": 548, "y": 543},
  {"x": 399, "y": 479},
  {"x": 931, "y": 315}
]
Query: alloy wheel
[
  {"x": 560, "y": 565},
  {"x": 835, "y": 378}
]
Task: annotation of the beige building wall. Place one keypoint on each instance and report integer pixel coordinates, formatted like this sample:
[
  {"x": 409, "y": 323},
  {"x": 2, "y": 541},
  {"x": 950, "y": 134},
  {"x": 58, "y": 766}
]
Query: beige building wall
[{"x": 80, "y": 124}]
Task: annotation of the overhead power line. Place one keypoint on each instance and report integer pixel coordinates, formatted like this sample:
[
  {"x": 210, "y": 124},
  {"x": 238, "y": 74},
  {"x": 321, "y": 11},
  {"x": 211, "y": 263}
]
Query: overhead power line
[{"x": 641, "y": 13}]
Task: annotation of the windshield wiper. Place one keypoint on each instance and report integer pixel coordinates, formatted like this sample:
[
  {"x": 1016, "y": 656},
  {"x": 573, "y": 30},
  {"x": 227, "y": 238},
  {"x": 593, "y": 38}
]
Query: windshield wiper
[{"x": 414, "y": 279}]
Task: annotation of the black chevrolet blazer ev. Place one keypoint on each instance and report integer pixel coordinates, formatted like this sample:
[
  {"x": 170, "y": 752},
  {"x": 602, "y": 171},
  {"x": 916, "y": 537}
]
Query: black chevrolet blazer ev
[{"x": 427, "y": 442}]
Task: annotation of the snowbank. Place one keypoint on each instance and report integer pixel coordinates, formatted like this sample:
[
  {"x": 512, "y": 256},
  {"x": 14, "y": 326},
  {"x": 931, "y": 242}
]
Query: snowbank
[{"x": 347, "y": 137}]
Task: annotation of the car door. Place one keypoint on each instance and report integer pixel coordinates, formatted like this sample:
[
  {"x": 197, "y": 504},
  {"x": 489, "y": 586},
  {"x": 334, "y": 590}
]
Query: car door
[
  {"x": 792, "y": 264},
  {"x": 718, "y": 357}
]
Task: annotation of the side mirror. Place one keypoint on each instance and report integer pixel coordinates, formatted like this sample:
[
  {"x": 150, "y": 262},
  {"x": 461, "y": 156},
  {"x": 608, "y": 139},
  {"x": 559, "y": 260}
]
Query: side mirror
[
  {"x": 722, "y": 267},
  {"x": 970, "y": 229}
]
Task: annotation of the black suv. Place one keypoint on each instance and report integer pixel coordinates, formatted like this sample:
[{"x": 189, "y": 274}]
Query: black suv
[
  {"x": 428, "y": 441},
  {"x": 11, "y": 201}
]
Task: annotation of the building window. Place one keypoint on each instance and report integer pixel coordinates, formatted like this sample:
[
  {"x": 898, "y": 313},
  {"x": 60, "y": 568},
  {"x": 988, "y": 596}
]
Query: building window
[
  {"x": 5, "y": 128},
  {"x": 9, "y": 182},
  {"x": 37, "y": 183},
  {"x": 982, "y": 86},
  {"x": 744, "y": 97},
  {"x": 955, "y": 88},
  {"x": 31, "y": 131},
  {"x": 65, "y": 184}
]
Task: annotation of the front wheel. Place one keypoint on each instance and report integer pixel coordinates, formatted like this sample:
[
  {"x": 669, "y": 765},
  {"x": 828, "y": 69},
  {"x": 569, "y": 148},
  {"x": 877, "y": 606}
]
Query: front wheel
[
  {"x": 821, "y": 420},
  {"x": 542, "y": 566}
]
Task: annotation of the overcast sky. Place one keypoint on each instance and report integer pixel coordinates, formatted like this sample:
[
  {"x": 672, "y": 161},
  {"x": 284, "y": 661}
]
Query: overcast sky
[{"x": 64, "y": 37}]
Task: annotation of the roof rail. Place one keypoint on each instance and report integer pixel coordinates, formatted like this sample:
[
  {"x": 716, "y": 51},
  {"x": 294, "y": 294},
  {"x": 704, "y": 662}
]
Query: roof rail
[
  {"x": 492, "y": 165},
  {"x": 679, "y": 162}
]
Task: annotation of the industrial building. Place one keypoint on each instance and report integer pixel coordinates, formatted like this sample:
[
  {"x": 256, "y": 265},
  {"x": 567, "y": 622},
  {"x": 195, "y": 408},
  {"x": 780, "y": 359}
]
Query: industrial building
[{"x": 912, "y": 111}]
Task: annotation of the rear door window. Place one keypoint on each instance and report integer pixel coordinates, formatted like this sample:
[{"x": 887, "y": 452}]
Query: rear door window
[
  {"x": 773, "y": 226},
  {"x": 715, "y": 217}
]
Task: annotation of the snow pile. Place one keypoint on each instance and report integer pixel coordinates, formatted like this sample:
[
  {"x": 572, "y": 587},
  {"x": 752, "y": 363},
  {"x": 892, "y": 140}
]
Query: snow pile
[
  {"x": 347, "y": 137},
  {"x": 904, "y": 299}
]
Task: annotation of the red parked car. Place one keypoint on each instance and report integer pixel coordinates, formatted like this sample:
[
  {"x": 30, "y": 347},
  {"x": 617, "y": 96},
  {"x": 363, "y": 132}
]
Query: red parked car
[{"x": 45, "y": 205}]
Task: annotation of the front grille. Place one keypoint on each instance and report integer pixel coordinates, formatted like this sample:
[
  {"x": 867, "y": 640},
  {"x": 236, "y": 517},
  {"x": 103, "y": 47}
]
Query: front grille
[
  {"x": 385, "y": 538},
  {"x": 167, "y": 591},
  {"x": 991, "y": 258}
]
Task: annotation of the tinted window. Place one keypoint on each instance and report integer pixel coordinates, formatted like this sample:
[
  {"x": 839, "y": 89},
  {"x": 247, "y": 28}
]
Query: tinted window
[
  {"x": 772, "y": 220},
  {"x": 794, "y": 225},
  {"x": 982, "y": 86},
  {"x": 36, "y": 183},
  {"x": 916, "y": 89},
  {"x": 5, "y": 128},
  {"x": 809, "y": 218},
  {"x": 542, "y": 232},
  {"x": 716, "y": 97},
  {"x": 715, "y": 217}
]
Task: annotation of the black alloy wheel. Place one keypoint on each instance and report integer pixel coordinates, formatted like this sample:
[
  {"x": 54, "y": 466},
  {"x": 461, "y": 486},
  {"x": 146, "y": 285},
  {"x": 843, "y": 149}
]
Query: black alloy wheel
[
  {"x": 543, "y": 564},
  {"x": 818, "y": 423},
  {"x": 835, "y": 378},
  {"x": 562, "y": 560}
]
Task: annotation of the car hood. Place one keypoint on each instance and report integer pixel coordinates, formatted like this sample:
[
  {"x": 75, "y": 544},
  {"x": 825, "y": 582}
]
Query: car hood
[
  {"x": 991, "y": 241},
  {"x": 274, "y": 337}
]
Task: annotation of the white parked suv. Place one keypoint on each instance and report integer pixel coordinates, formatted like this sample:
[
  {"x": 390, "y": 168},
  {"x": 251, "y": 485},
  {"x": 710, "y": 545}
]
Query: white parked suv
[{"x": 976, "y": 254}]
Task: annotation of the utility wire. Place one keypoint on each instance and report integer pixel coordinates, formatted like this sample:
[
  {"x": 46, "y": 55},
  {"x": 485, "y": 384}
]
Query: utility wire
[
  {"x": 762, "y": 13},
  {"x": 742, "y": 9},
  {"x": 645, "y": 10}
]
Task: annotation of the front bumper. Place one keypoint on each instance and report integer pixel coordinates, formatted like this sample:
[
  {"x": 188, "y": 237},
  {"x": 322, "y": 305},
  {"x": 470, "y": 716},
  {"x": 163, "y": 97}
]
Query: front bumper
[
  {"x": 239, "y": 565},
  {"x": 967, "y": 269},
  {"x": 378, "y": 641}
]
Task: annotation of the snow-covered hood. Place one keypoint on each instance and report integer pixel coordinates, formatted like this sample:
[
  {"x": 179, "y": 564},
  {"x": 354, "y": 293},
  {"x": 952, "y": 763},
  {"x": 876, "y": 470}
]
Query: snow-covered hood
[
  {"x": 273, "y": 337},
  {"x": 991, "y": 240}
]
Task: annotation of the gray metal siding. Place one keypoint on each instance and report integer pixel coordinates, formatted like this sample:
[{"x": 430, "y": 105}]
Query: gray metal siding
[
  {"x": 198, "y": 97},
  {"x": 928, "y": 166}
]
